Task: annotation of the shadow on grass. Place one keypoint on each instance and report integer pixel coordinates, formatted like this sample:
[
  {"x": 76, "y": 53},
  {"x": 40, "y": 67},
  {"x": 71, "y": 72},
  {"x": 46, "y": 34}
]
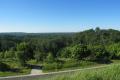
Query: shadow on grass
[
  {"x": 34, "y": 66},
  {"x": 103, "y": 61},
  {"x": 10, "y": 70}
]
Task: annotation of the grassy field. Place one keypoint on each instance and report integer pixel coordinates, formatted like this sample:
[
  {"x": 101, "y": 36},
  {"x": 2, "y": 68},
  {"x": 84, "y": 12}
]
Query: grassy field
[{"x": 109, "y": 73}]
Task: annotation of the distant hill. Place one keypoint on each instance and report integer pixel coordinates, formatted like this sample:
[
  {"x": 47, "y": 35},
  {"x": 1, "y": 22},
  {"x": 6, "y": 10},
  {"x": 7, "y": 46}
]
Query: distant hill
[{"x": 34, "y": 34}]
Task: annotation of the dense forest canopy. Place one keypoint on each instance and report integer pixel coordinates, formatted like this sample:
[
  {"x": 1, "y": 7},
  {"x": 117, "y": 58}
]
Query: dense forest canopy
[{"x": 99, "y": 45}]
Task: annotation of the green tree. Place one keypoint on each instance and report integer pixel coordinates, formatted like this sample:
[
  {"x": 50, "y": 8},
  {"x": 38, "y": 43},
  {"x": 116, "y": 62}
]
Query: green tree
[
  {"x": 100, "y": 54},
  {"x": 39, "y": 56},
  {"x": 49, "y": 58},
  {"x": 79, "y": 52},
  {"x": 114, "y": 50},
  {"x": 4, "y": 67},
  {"x": 1, "y": 55},
  {"x": 22, "y": 53},
  {"x": 21, "y": 58},
  {"x": 9, "y": 54},
  {"x": 65, "y": 52}
]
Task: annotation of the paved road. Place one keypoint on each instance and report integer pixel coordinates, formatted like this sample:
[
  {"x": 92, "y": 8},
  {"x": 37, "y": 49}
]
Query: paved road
[
  {"x": 33, "y": 77},
  {"x": 37, "y": 70}
]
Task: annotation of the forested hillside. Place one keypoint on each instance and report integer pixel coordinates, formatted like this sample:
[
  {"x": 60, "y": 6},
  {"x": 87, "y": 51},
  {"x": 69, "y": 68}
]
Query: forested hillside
[{"x": 59, "y": 50}]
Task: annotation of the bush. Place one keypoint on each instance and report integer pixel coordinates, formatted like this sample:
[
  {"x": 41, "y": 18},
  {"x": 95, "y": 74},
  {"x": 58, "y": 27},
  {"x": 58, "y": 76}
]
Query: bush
[
  {"x": 49, "y": 58},
  {"x": 9, "y": 54},
  {"x": 78, "y": 52},
  {"x": 114, "y": 50},
  {"x": 52, "y": 66},
  {"x": 4, "y": 67},
  {"x": 1, "y": 55},
  {"x": 65, "y": 52},
  {"x": 39, "y": 56},
  {"x": 100, "y": 54},
  {"x": 21, "y": 58},
  {"x": 70, "y": 63},
  {"x": 76, "y": 63}
]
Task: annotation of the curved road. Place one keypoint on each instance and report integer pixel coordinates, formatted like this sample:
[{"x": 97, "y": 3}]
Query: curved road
[{"x": 36, "y": 76}]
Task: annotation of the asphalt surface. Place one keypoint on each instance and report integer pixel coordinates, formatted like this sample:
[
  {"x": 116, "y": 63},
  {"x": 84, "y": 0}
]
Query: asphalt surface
[
  {"x": 36, "y": 70},
  {"x": 34, "y": 77}
]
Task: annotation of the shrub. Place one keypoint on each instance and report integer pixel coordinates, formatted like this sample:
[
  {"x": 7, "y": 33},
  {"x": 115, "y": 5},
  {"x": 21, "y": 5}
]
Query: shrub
[
  {"x": 79, "y": 52},
  {"x": 39, "y": 56},
  {"x": 70, "y": 63},
  {"x": 21, "y": 58},
  {"x": 114, "y": 50},
  {"x": 1, "y": 55},
  {"x": 4, "y": 67},
  {"x": 100, "y": 54},
  {"x": 49, "y": 58},
  {"x": 65, "y": 52},
  {"x": 52, "y": 66}
]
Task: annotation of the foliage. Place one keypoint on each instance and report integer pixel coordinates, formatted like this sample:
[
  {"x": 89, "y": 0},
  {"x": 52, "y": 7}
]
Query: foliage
[
  {"x": 10, "y": 54},
  {"x": 52, "y": 66},
  {"x": 4, "y": 67},
  {"x": 21, "y": 58},
  {"x": 39, "y": 56},
  {"x": 49, "y": 58},
  {"x": 78, "y": 52},
  {"x": 100, "y": 54},
  {"x": 114, "y": 50},
  {"x": 13, "y": 68},
  {"x": 26, "y": 48},
  {"x": 1, "y": 55}
]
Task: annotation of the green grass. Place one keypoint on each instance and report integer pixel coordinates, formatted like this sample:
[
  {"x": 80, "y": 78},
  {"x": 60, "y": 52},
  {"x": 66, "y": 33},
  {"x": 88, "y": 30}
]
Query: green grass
[{"x": 109, "y": 73}]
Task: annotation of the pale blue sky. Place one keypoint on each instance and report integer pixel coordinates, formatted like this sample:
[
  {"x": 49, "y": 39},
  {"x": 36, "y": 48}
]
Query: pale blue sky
[{"x": 58, "y": 15}]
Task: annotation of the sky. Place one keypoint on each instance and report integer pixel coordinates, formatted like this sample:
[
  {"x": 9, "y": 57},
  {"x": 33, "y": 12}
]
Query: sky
[{"x": 58, "y": 15}]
